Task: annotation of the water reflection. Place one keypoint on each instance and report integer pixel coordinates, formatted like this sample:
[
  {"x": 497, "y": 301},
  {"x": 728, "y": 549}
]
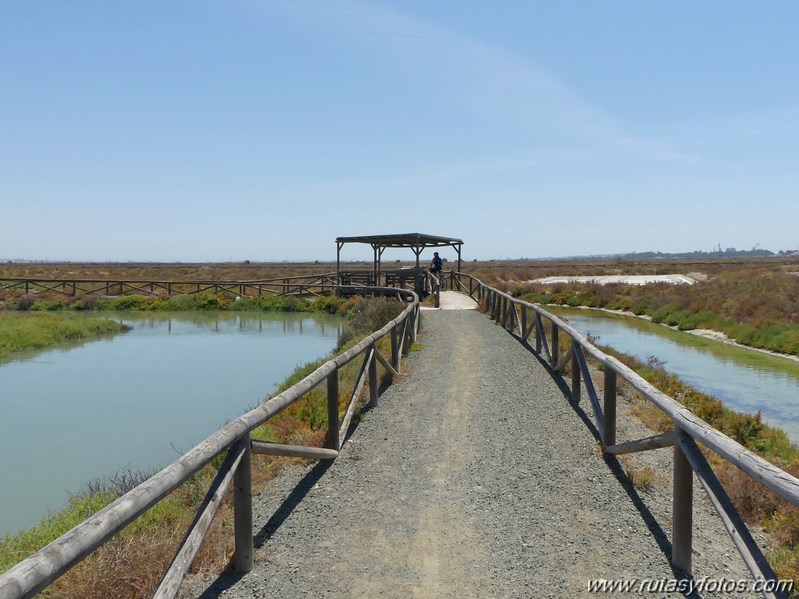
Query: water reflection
[
  {"x": 139, "y": 398},
  {"x": 743, "y": 379}
]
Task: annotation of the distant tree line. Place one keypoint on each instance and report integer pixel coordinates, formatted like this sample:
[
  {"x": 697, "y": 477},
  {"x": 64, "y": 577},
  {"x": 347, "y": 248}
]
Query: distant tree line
[{"x": 726, "y": 253}]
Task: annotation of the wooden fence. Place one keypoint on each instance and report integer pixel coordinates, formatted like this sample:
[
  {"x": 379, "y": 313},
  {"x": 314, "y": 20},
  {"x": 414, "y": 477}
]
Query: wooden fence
[
  {"x": 303, "y": 285},
  {"x": 39, "y": 570},
  {"x": 307, "y": 285},
  {"x": 524, "y": 320}
]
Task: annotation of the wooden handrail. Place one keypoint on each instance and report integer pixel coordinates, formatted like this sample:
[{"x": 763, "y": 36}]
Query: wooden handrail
[
  {"x": 685, "y": 423},
  {"x": 43, "y": 567}
]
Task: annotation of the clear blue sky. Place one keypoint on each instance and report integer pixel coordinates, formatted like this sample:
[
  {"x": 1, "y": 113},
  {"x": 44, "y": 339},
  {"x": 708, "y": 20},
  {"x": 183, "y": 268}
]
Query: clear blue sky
[{"x": 214, "y": 130}]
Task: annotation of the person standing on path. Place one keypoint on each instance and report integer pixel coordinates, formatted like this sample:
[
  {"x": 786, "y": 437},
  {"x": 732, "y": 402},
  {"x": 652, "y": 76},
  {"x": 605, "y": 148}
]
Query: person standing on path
[{"x": 436, "y": 264}]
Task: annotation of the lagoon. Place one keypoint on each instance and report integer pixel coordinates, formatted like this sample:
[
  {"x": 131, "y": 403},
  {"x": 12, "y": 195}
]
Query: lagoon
[
  {"x": 743, "y": 379},
  {"x": 138, "y": 399}
]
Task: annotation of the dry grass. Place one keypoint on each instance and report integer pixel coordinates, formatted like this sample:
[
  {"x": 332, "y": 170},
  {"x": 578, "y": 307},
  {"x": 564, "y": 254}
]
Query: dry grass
[
  {"x": 143, "y": 271},
  {"x": 641, "y": 476}
]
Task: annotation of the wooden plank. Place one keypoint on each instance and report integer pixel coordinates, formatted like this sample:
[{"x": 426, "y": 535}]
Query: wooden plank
[
  {"x": 590, "y": 390},
  {"x": 528, "y": 331},
  {"x": 654, "y": 442},
  {"x": 394, "y": 351},
  {"x": 356, "y": 395},
  {"x": 575, "y": 373},
  {"x": 554, "y": 345},
  {"x": 542, "y": 347},
  {"x": 516, "y": 321},
  {"x": 609, "y": 406},
  {"x": 562, "y": 361},
  {"x": 523, "y": 333},
  {"x": 750, "y": 551},
  {"x": 332, "y": 440},
  {"x": 385, "y": 363},
  {"x": 373, "y": 395},
  {"x": 242, "y": 511},
  {"x": 170, "y": 584},
  {"x": 294, "y": 451},
  {"x": 682, "y": 508}
]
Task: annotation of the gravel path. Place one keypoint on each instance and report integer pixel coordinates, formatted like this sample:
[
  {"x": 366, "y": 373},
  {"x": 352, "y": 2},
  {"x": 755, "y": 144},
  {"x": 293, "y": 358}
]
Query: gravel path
[{"x": 474, "y": 477}]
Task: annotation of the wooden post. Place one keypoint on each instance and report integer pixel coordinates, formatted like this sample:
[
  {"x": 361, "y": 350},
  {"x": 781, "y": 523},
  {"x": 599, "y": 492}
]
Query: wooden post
[
  {"x": 553, "y": 348},
  {"x": 524, "y": 323},
  {"x": 501, "y": 311},
  {"x": 242, "y": 511},
  {"x": 373, "y": 378},
  {"x": 609, "y": 436},
  {"x": 394, "y": 349},
  {"x": 682, "y": 508},
  {"x": 575, "y": 373},
  {"x": 332, "y": 410},
  {"x": 539, "y": 327}
]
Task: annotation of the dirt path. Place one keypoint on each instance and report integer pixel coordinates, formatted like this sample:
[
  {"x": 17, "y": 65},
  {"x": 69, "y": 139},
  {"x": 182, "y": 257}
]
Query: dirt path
[{"x": 474, "y": 477}]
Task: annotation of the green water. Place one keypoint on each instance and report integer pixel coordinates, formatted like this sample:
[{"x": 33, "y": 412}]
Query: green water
[
  {"x": 138, "y": 399},
  {"x": 745, "y": 380}
]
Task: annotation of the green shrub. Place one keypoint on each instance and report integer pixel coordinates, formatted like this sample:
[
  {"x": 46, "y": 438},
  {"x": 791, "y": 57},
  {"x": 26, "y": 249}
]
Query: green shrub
[
  {"x": 330, "y": 303},
  {"x": 49, "y": 306},
  {"x": 123, "y": 302}
]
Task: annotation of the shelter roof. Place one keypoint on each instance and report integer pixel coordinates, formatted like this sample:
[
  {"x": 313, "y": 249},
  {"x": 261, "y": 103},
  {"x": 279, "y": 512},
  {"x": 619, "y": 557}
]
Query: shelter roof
[{"x": 402, "y": 240}]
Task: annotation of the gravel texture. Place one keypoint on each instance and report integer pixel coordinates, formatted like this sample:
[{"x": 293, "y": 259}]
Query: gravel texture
[{"x": 474, "y": 477}]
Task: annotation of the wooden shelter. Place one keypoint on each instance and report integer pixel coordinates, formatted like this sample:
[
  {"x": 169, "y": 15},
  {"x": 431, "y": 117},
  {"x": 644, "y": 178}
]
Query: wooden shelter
[{"x": 416, "y": 242}]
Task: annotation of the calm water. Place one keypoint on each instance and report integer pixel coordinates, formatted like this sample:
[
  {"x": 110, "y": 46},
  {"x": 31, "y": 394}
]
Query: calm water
[
  {"x": 744, "y": 380},
  {"x": 138, "y": 399}
]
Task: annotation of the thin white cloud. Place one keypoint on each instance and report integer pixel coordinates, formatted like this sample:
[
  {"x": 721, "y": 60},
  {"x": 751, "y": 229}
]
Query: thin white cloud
[
  {"x": 482, "y": 78},
  {"x": 484, "y": 81},
  {"x": 777, "y": 120},
  {"x": 448, "y": 173}
]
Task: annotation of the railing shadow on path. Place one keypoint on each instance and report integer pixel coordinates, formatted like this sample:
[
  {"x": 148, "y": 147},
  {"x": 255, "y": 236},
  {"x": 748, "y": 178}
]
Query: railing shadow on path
[
  {"x": 229, "y": 577},
  {"x": 691, "y": 437},
  {"x": 615, "y": 467}
]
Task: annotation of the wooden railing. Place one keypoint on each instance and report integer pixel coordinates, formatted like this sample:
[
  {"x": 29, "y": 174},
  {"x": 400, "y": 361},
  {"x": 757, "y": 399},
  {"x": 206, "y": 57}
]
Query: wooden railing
[
  {"x": 303, "y": 285},
  {"x": 42, "y": 568},
  {"x": 309, "y": 285},
  {"x": 525, "y": 320}
]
